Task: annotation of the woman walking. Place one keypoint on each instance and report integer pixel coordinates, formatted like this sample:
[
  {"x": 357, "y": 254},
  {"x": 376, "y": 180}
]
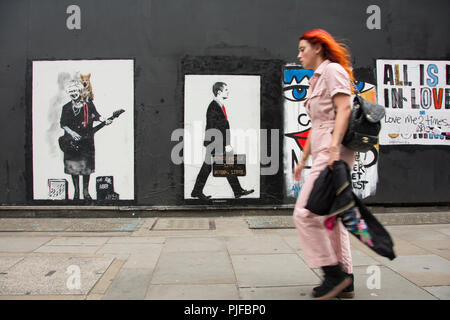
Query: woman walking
[{"x": 328, "y": 106}]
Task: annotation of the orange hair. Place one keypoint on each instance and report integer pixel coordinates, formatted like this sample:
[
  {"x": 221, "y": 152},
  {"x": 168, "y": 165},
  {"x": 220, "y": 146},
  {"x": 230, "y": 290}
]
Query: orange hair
[{"x": 332, "y": 50}]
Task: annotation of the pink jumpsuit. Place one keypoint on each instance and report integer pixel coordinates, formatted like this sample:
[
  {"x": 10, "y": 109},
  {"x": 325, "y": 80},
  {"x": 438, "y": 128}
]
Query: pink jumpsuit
[{"x": 322, "y": 247}]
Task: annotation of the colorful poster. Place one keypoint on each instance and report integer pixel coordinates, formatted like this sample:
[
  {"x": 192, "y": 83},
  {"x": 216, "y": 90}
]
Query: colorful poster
[
  {"x": 83, "y": 130},
  {"x": 222, "y": 119},
  {"x": 416, "y": 94},
  {"x": 297, "y": 126}
]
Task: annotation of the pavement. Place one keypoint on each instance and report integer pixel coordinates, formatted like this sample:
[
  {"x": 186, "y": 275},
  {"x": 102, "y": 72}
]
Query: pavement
[{"x": 208, "y": 258}]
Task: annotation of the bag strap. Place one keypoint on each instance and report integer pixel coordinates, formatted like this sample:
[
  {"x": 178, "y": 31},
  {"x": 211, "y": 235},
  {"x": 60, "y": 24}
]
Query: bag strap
[{"x": 355, "y": 88}]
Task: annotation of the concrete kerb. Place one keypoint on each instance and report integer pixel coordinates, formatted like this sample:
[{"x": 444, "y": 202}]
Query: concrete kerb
[{"x": 185, "y": 211}]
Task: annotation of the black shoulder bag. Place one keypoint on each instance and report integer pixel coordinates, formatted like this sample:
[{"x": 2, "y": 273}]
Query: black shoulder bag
[{"x": 364, "y": 124}]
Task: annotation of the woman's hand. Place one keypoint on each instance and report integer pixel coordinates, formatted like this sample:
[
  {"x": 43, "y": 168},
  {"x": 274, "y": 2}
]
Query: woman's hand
[
  {"x": 302, "y": 164},
  {"x": 334, "y": 156},
  {"x": 298, "y": 170}
]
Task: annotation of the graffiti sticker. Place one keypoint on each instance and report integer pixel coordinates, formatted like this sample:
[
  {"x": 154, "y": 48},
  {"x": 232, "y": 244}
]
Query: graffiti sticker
[{"x": 416, "y": 94}]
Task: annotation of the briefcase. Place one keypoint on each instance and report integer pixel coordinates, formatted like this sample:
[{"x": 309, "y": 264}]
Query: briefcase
[{"x": 229, "y": 165}]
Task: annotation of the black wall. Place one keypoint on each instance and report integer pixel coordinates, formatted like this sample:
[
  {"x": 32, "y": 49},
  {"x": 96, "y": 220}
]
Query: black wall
[{"x": 160, "y": 34}]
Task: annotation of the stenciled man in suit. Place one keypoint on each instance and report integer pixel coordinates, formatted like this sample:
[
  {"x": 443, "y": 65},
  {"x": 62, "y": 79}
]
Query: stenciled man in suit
[{"x": 216, "y": 118}]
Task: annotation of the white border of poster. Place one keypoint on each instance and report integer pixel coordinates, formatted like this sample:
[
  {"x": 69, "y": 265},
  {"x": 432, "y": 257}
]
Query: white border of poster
[
  {"x": 416, "y": 94},
  {"x": 243, "y": 110},
  {"x": 113, "y": 86}
]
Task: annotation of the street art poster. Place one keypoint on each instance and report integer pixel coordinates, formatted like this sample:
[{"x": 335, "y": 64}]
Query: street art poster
[
  {"x": 416, "y": 94},
  {"x": 83, "y": 130},
  {"x": 221, "y": 137},
  {"x": 297, "y": 126}
]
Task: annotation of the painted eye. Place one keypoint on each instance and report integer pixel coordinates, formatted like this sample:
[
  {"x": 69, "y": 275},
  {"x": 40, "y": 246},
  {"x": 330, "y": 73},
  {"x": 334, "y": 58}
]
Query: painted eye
[
  {"x": 296, "y": 83},
  {"x": 295, "y": 93},
  {"x": 363, "y": 86}
]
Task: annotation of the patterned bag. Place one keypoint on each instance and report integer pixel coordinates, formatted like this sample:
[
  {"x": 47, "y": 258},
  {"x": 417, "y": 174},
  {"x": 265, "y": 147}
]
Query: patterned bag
[{"x": 360, "y": 222}]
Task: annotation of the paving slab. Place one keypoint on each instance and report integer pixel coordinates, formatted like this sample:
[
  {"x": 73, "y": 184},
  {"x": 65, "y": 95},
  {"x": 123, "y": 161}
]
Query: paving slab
[
  {"x": 104, "y": 225},
  {"x": 417, "y": 234},
  {"x": 391, "y": 286},
  {"x": 54, "y": 235},
  {"x": 277, "y": 293},
  {"x": 183, "y": 224},
  {"x": 78, "y": 241},
  {"x": 69, "y": 225},
  {"x": 356, "y": 244},
  {"x": 413, "y": 218},
  {"x": 34, "y": 225},
  {"x": 177, "y": 233},
  {"x": 119, "y": 256},
  {"x": 46, "y": 297},
  {"x": 275, "y": 232},
  {"x": 145, "y": 260},
  {"x": 293, "y": 242},
  {"x": 257, "y": 245},
  {"x": 136, "y": 240},
  {"x": 8, "y": 262},
  {"x": 407, "y": 248},
  {"x": 193, "y": 292},
  {"x": 107, "y": 278},
  {"x": 51, "y": 275},
  {"x": 359, "y": 258},
  {"x": 302, "y": 256},
  {"x": 231, "y": 227},
  {"x": 441, "y": 292},
  {"x": 129, "y": 248},
  {"x": 194, "y": 244},
  {"x": 67, "y": 249},
  {"x": 434, "y": 227},
  {"x": 194, "y": 268},
  {"x": 129, "y": 284},
  {"x": 439, "y": 247},
  {"x": 423, "y": 270},
  {"x": 22, "y": 244},
  {"x": 281, "y": 222},
  {"x": 272, "y": 270},
  {"x": 445, "y": 231},
  {"x": 144, "y": 227}
]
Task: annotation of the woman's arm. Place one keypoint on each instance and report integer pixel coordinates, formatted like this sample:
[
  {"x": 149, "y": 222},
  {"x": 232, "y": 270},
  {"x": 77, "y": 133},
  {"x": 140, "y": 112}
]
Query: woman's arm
[{"x": 342, "y": 103}]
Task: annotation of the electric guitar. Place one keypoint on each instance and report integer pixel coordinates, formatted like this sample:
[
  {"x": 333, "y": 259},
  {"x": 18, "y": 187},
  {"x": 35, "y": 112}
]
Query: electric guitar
[{"x": 68, "y": 144}]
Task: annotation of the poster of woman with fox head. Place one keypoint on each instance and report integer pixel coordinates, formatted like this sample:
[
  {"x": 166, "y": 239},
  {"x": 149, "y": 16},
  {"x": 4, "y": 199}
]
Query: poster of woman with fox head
[{"x": 83, "y": 130}]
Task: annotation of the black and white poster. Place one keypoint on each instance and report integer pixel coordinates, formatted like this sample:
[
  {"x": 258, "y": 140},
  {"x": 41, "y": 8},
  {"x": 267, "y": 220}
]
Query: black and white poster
[
  {"x": 226, "y": 108},
  {"x": 83, "y": 130}
]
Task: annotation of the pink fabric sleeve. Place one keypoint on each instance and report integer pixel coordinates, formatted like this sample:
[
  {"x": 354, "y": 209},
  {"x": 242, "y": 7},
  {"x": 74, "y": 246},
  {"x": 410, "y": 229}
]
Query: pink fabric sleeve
[{"x": 337, "y": 79}]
